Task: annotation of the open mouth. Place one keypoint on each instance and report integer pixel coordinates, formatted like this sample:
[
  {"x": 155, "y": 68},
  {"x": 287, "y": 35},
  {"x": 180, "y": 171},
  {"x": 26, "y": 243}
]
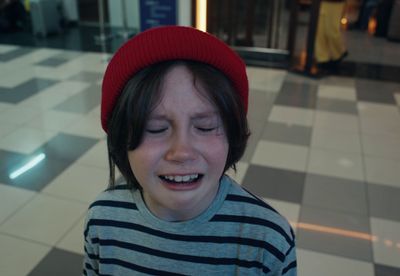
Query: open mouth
[{"x": 181, "y": 179}]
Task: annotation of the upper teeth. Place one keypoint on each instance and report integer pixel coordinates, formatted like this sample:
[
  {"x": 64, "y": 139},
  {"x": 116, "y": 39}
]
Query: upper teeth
[{"x": 182, "y": 178}]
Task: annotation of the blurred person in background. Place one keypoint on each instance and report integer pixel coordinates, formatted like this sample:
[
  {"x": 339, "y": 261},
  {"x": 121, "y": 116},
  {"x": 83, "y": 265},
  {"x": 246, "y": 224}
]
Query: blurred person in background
[{"x": 329, "y": 45}]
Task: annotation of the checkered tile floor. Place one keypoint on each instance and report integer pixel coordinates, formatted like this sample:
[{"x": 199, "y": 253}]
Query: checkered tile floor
[{"x": 326, "y": 153}]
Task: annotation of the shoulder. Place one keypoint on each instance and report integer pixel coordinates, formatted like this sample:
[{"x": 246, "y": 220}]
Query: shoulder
[
  {"x": 117, "y": 200},
  {"x": 243, "y": 201},
  {"x": 254, "y": 212},
  {"x": 111, "y": 208}
]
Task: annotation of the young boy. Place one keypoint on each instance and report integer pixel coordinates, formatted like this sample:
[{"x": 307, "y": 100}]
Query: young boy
[{"x": 174, "y": 109}]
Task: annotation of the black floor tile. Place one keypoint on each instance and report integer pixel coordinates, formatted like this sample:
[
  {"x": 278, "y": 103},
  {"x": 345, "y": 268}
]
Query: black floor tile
[
  {"x": 287, "y": 133},
  {"x": 337, "y": 194},
  {"x": 297, "y": 95},
  {"x": 59, "y": 262},
  {"x": 5, "y": 57},
  {"x": 37, "y": 177},
  {"x": 9, "y": 160},
  {"x": 60, "y": 152},
  {"x": 384, "y": 202},
  {"x": 24, "y": 90},
  {"x": 67, "y": 147},
  {"x": 82, "y": 102},
  {"x": 337, "y": 105},
  {"x": 275, "y": 183},
  {"x": 370, "y": 71},
  {"x": 383, "y": 270},
  {"x": 376, "y": 91},
  {"x": 52, "y": 62}
]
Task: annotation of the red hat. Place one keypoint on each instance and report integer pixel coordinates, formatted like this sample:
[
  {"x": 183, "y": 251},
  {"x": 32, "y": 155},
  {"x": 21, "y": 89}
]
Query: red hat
[{"x": 168, "y": 43}]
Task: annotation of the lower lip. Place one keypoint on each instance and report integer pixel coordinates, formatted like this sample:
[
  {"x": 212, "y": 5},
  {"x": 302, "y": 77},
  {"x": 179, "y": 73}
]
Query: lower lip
[{"x": 182, "y": 187}]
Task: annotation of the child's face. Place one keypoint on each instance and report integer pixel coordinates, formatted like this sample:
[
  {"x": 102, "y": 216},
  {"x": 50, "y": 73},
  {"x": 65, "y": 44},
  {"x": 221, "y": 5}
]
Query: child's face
[{"x": 183, "y": 152}]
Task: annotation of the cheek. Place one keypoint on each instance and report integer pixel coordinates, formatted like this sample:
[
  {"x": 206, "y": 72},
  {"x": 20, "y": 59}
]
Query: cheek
[
  {"x": 148, "y": 153},
  {"x": 142, "y": 160},
  {"x": 217, "y": 152}
]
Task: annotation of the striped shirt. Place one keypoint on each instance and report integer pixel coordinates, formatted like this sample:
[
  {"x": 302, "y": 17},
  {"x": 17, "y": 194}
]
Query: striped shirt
[{"x": 238, "y": 234}]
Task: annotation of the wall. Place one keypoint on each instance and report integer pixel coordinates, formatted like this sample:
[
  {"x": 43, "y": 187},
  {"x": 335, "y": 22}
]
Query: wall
[
  {"x": 70, "y": 9},
  {"x": 184, "y": 12},
  {"x": 133, "y": 16},
  {"x": 131, "y": 12}
]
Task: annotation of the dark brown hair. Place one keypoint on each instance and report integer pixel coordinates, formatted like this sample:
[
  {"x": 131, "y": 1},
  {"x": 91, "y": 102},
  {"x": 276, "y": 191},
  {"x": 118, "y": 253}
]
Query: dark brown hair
[{"x": 142, "y": 93}]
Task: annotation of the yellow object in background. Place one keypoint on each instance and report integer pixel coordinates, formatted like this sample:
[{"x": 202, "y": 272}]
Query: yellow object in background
[
  {"x": 329, "y": 44},
  {"x": 27, "y": 5}
]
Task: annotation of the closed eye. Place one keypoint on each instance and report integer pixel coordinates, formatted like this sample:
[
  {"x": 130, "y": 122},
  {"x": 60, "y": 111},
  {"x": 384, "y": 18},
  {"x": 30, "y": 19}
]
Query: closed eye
[
  {"x": 206, "y": 129},
  {"x": 156, "y": 131}
]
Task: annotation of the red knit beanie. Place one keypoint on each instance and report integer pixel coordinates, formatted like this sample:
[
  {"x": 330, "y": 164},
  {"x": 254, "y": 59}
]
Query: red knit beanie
[{"x": 163, "y": 44}]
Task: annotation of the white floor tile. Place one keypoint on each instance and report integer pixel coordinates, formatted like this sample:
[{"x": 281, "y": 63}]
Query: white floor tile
[
  {"x": 96, "y": 59},
  {"x": 241, "y": 169},
  {"x": 95, "y": 113},
  {"x": 52, "y": 120},
  {"x": 384, "y": 112},
  {"x": 371, "y": 125},
  {"x": 7, "y": 48},
  {"x": 336, "y": 121},
  {"x": 96, "y": 156},
  {"x": 3, "y": 68},
  {"x": 59, "y": 73},
  {"x": 12, "y": 199},
  {"x": 18, "y": 115},
  {"x": 337, "y": 92},
  {"x": 335, "y": 163},
  {"x": 379, "y": 145},
  {"x": 263, "y": 79},
  {"x": 387, "y": 246},
  {"x": 311, "y": 263},
  {"x": 5, "y": 106},
  {"x": 45, "y": 219},
  {"x": 87, "y": 126},
  {"x": 382, "y": 171},
  {"x": 16, "y": 76},
  {"x": 41, "y": 54},
  {"x": 19, "y": 257},
  {"x": 256, "y": 128},
  {"x": 89, "y": 62},
  {"x": 79, "y": 182},
  {"x": 397, "y": 98},
  {"x": 6, "y": 129},
  {"x": 54, "y": 95},
  {"x": 292, "y": 115},
  {"x": 73, "y": 240},
  {"x": 280, "y": 155},
  {"x": 25, "y": 140},
  {"x": 336, "y": 140}
]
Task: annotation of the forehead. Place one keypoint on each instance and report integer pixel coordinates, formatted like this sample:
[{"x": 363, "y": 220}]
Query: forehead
[{"x": 181, "y": 89}]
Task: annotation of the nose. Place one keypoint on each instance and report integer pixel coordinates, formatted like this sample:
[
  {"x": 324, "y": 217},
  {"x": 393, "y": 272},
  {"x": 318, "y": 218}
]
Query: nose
[{"x": 181, "y": 149}]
